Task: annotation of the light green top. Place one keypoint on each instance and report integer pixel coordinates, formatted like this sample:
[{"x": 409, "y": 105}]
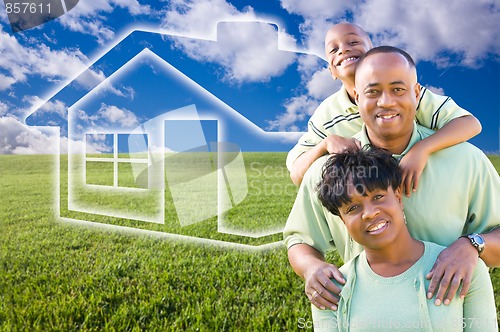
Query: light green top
[
  {"x": 338, "y": 115},
  {"x": 458, "y": 194},
  {"x": 370, "y": 302}
]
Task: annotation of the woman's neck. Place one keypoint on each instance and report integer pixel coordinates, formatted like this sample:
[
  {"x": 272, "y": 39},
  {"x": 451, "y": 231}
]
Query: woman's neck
[{"x": 396, "y": 259}]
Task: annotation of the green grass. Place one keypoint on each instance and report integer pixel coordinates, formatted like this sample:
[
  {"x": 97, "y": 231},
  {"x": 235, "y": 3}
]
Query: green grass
[{"x": 65, "y": 277}]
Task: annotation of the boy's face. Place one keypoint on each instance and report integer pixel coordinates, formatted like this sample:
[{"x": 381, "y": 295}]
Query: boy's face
[
  {"x": 344, "y": 44},
  {"x": 375, "y": 219},
  {"x": 387, "y": 94}
]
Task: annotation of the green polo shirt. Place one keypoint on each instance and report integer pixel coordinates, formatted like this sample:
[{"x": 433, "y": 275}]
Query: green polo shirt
[
  {"x": 338, "y": 115},
  {"x": 360, "y": 306},
  {"x": 457, "y": 194}
]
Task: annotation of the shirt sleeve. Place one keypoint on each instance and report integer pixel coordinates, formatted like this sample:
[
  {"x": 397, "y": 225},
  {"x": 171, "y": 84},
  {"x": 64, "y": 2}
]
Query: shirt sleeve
[
  {"x": 434, "y": 111},
  {"x": 324, "y": 320},
  {"x": 484, "y": 210},
  {"x": 479, "y": 303},
  {"x": 314, "y": 135},
  {"x": 307, "y": 220}
]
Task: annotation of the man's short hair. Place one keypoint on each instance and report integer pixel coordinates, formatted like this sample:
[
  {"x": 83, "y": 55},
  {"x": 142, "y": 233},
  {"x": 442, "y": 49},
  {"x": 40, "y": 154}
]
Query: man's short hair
[
  {"x": 386, "y": 49},
  {"x": 366, "y": 169}
]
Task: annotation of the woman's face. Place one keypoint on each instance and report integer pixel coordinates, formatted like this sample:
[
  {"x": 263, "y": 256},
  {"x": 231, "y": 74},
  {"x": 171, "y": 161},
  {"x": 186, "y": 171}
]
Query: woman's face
[{"x": 373, "y": 218}]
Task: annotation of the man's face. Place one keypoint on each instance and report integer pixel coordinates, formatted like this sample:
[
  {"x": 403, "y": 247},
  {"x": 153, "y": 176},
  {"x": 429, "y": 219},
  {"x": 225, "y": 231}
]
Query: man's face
[
  {"x": 344, "y": 44},
  {"x": 387, "y": 93}
]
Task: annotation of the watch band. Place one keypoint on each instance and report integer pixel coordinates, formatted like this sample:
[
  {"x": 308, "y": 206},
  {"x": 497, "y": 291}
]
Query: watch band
[{"x": 477, "y": 241}]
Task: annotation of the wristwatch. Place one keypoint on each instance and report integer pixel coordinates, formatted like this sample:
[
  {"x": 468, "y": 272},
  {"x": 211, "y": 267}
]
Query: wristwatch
[{"x": 477, "y": 241}]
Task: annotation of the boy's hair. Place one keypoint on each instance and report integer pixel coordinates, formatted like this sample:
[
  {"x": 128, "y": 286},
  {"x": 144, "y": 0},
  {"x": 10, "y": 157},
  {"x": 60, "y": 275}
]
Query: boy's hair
[
  {"x": 366, "y": 169},
  {"x": 386, "y": 49}
]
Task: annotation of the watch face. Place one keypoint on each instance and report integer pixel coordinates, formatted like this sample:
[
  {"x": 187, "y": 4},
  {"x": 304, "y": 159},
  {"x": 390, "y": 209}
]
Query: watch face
[{"x": 479, "y": 240}]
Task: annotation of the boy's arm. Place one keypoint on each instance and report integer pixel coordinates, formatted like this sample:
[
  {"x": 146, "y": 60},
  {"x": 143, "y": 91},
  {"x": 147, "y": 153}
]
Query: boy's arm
[
  {"x": 331, "y": 144},
  {"x": 456, "y": 131}
]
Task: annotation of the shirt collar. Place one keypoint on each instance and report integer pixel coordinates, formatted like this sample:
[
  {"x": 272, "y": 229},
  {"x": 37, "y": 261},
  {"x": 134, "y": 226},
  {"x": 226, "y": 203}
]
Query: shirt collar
[{"x": 416, "y": 136}]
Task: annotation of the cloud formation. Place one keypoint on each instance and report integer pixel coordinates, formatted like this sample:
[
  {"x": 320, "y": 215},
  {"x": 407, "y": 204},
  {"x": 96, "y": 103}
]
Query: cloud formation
[
  {"x": 17, "y": 138},
  {"x": 89, "y": 17},
  {"x": 248, "y": 52},
  {"x": 18, "y": 62}
]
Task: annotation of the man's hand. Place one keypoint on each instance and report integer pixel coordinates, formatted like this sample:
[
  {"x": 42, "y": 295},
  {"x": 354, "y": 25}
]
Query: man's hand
[
  {"x": 337, "y": 144},
  {"x": 320, "y": 290},
  {"x": 412, "y": 165},
  {"x": 453, "y": 266}
]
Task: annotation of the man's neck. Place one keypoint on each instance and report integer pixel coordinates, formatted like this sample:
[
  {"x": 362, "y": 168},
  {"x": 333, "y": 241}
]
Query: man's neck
[{"x": 393, "y": 145}]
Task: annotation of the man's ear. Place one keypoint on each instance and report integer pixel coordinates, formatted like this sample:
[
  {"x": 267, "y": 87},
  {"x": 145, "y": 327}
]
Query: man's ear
[{"x": 418, "y": 87}]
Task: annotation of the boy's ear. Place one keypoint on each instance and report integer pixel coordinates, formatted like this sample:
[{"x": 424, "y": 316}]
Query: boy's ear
[
  {"x": 331, "y": 73},
  {"x": 356, "y": 96}
]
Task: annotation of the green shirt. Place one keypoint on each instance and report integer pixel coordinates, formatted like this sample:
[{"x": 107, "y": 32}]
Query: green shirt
[
  {"x": 338, "y": 115},
  {"x": 370, "y": 302},
  {"x": 458, "y": 194}
]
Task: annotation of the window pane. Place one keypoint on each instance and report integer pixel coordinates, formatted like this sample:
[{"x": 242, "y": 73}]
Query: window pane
[
  {"x": 99, "y": 173},
  {"x": 133, "y": 146},
  {"x": 133, "y": 175},
  {"x": 99, "y": 145}
]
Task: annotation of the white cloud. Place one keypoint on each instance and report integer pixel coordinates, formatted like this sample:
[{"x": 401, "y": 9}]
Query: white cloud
[
  {"x": 297, "y": 109},
  {"x": 46, "y": 107},
  {"x": 121, "y": 117},
  {"x": 318, "y": 9},
  {"x": 6, "y": 82},
  {"x": 247, "y": 51},
  {"x": 88, "y": 17},
  {"x": 469, "y": 29},
  {"x": 3, "y": 109},
  {"x": 17, "y": 138},
  {"x": 199, "y": 18},
  {"x": 439, "y": 91},
  {"x": 458, "y": 32},
  {"x": 322, "y": 84},
  {"x": 19, "y": 62}
]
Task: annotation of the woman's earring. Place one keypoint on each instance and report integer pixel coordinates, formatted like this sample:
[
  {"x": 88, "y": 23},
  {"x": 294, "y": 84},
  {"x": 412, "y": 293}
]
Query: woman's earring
[{"x": 404, "y": 217}]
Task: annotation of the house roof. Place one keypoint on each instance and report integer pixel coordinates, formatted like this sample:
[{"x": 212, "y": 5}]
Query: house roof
[{"x": 168, "y": 47}]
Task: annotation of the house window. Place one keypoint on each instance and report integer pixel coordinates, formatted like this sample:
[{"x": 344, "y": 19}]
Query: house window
[{"x": 123, "y": 160}]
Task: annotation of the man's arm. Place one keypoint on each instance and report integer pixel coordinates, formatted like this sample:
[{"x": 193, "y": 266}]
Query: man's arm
[
  {"x": 456, "y": 131},
  {"x": 455, "y": 265},
  {"x": 310, "y": 265}
]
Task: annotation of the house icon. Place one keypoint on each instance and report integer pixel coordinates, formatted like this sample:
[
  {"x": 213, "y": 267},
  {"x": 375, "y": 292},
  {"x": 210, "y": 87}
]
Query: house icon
[{"x": 160, "y": 144}]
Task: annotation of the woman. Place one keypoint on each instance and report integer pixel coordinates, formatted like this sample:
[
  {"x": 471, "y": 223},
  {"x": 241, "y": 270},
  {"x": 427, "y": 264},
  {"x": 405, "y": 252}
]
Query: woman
[{"x": 386, "y": 283}]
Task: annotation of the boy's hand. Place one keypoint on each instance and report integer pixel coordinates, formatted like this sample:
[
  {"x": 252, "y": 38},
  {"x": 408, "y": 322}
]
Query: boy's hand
[
  {"x": 412, "y": 165},
  {"x": 320, "y": 290},
  {"x": 337, "y": 144}
]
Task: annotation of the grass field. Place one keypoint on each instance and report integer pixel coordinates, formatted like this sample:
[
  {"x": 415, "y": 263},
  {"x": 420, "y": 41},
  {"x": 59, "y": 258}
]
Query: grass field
[{"x": 65, "y": 277}]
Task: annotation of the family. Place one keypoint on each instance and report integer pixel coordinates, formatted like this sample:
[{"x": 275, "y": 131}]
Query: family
[{"x": 387, "y": 181}]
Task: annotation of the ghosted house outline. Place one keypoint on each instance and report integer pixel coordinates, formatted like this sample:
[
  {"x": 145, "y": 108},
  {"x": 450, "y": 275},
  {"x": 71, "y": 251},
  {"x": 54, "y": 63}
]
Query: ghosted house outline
[{"x": 137, "y": 42}]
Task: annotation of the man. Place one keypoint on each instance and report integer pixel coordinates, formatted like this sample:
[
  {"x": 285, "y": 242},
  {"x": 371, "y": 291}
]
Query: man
[{"x": 457, "y": 195}]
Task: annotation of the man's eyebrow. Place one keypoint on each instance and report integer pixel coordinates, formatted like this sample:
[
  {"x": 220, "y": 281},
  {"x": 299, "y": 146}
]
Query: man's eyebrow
[{"x": 370, "y": 85}]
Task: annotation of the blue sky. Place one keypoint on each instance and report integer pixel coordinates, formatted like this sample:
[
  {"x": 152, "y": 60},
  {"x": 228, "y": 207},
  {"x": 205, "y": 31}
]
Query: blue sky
[{"x": 455, "y": 43}]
